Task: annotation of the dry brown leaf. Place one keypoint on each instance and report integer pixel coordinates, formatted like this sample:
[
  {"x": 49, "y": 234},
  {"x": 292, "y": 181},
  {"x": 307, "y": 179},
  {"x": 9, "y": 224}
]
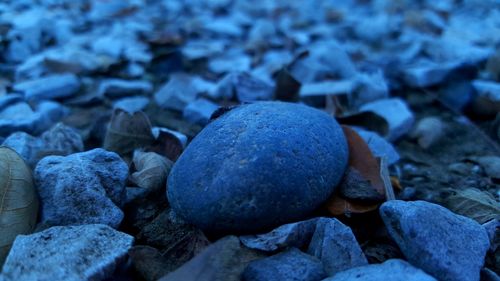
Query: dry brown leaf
[
  {"x": 18, "y": 199},
  {"x": 475, "y": 204},
  {"x": 128, "y": 132},
  {"x": 152, "y": 170},
  {"x": 168, "y": 145}
]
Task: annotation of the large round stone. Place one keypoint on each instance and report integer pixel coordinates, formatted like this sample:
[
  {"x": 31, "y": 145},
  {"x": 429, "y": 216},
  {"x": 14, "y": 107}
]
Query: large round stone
[{"x": 258, "y": 166}]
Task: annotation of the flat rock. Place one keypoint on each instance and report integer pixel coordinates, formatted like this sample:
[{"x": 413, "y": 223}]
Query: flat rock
[
  {"x": 86, "y": 252},
  {"x": 177, "y": 93},
  {"x": 335, "y": 245},
  {"x": 246, "y": 87},
  {"x": 391, "y": 270},
  {"x": 397, "y": 114},
  {"x": 445, "y": 245},
  {"x": 82, "y": 188},
  {"x": 379, "y": 146},
  {"x": 132, "y": 104},
  {"x": 116, "y": 88},
  {"x": 218, "y": 183},
  {"x": 49, "y": 87},
  {"x": 292, "y": 265}
]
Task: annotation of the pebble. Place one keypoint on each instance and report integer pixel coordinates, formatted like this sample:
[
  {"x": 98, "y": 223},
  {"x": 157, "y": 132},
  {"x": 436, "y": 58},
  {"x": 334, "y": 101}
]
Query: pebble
[
  {"x": 246, "y": 87},
  {"x": 291, "y": 265},
  {"x": 199, "y": 111},
  {"x": 445, "y": 245},
  {"x": 397, "y": 114},
  {"x": 132, "y": 104},
  {"x": 55, "y": 86},
  {"x": 379, "y": 146},
  {"x": 391, "y": 270},
  {"x": 82, "y": 188},
  {"x": 117, "y": 88},
  {"x": 85, "y": 252},
  {"x": 304, "y": 152}
]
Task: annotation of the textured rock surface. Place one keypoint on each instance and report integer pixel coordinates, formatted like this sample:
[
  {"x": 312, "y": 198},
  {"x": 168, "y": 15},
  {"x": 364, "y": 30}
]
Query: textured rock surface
[
  {"x": 86, "y": 252},
  {"x": 335, "y": 245},
  {"x": 446, "y": 245},
  {"x": 82, "y": 188},
  {"x": 391, "y": 270},
  {"x": 219, "y": 183},
  {"x": 292, "y": 265}
]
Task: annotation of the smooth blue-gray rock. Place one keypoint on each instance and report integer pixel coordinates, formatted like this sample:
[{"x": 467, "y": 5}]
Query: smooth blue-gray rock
[
  {"x": 258, "y": 166},
  {"x": 335, "y": 245},
  {"x": 116, "y": 88},
  {"x": 246, "y": 87},
  {"x": 297, "y": 234},
  {"x": 50, "y": 87},
  {"x": 199, "y": 111},
  {"x": 446, "y": 245},
  {"x": 292, "y": 265},
  {"x": 85, "y": 252},
  {"x": 391, "y": 270},
  {"x": 22, "y": 117},
  {"x": 82, "y": 188},
  {"x": 59, "y": 140},
  {"x": 397, "y": 114}
]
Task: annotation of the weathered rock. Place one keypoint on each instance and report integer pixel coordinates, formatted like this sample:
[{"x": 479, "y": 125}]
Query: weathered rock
[
  {"x": 218, "y": 183},
  {"x": 224, "y": 260},
  {"x": 297, "y": 234},
  {"x": 335, "y": 245},
  {"x": 246, "y": 87},
  {"x": 22, "y": 117},
  {"x": 132, "y": 104},
  {"x": 49, "y": 87},
  {"x": 26, "y": 145},
  {"x": 199, "y": 111},
  {"x": 446, "y": 245},
  {"x": 292, "y": 265},
  {"x": 177, "y": 93},
  {"x": 391, "y": 270},
  {"x": 379, "y": 146},
  {"x": 82, "y": 188},
  {"x": 115, "y": 88},
  {"x": 86, "y": 252},
  {"x": 397, "y": 114}
]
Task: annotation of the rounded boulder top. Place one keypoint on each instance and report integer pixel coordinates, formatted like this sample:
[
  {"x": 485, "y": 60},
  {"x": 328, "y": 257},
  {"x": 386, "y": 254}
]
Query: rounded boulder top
[{"x": 258, "y": 166}]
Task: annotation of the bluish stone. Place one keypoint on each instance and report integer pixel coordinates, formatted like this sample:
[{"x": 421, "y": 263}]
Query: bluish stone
[
  {"x": 292, "y": 265},
  {"x": 82, "y": 188},
  {"x": 445, "y": 245},
  {"x": 49, "y": 87},
  {"x": 258, "y": 166}
]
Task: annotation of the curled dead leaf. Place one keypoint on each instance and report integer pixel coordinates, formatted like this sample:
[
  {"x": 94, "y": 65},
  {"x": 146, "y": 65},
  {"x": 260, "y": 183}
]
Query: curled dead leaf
[
  {"x": 18, "y": 199},
  {"x": 475, "y": 204},
  {"x": 128, "y": 132},
  {"x": 152, "y": 170}
]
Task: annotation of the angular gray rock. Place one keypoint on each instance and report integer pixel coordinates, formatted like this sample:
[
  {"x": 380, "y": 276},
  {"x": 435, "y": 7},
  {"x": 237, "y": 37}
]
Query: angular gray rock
[
  {"x": 50, "y": 87},
  {"x": 59, "y": 140},
  {"x": 391, "y": 270},
  {"x": 82, "y": 188},
  {"x": 116, "y": 88},
  {"x": 246, "y": 87},
  {"x": 397, "y": 114},
  {"x": 379, "y": 146},
  {"x": 85, "y": 252},
  {"x": 132, "y": 104},
  {"x": 177, "y": 93},
  {"x": 335, "y": 245},
  {"x": 445, "y": 245},
  {"x": 218, "y": 183},
  {"x": 199, "y": 111},
  {"x": 292, "y": 265}
]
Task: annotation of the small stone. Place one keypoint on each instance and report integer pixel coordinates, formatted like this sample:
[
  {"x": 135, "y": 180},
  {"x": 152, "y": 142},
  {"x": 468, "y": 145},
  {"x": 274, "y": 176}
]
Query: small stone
[
  {"x": 177, "y": 93},
  {"x": 315, "y": 93},
  {"x": 132, "y": 104},
  {"x": 86, "y": 252},
  {"x": 391, "y": 270},
  {"x": 356, "y": 187},
  {"x": 82, "y": 188},
  {"x": 379, "y": 146},
  {"x": 292, "y": 265},
  {"x": 116, "y": 88},
  {"x": 335, "y": 245},
  {"x": 50, "y": 87},
  {"x": 199, "y": 111},
  {"x": 26, "y": 145},
  {"x": 397, "y": 114},
  {"x": 428, "y": 131},
  {"x": 446, "y": 245},
  {"x": 246, "y": 87},
  {"x": 490, "y": 164},
  {"x": 426, "y": 74},
  {"x": 303, "y": 149}
]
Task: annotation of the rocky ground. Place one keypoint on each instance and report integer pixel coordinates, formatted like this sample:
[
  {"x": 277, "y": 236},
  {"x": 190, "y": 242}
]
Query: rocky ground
[{"x": 249, "y": 140}]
